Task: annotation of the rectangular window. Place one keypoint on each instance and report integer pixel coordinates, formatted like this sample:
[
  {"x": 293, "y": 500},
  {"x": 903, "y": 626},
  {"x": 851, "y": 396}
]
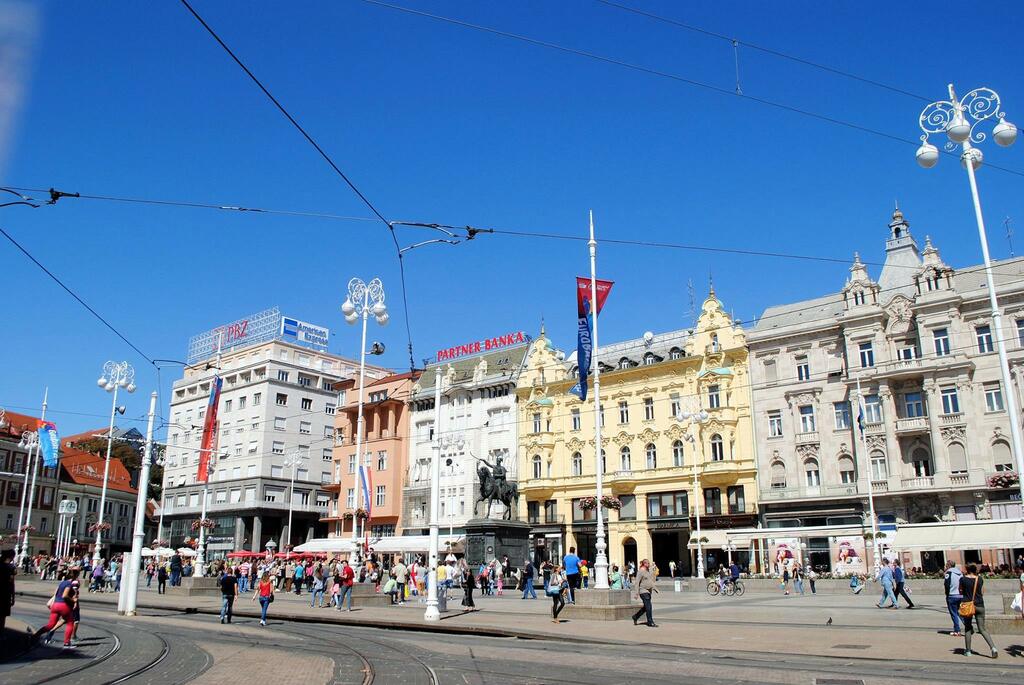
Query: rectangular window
[
  {"x": 282, "y": 376},
  {"x": 276, "y": 471},
  {"x": 380, "y": 496},
  {"x": 307, "y": 404},
  {"x": 533, "y": 512},
  {"x": 941, "y": 338},
  {"x": 712, "y": 501},
  {"x": 551, "y": 511},
  {"x": 327, "y": 454},
  {"x": 350, "y": 498},
  {"x": 842, "y": 415},
  {"x": 803, "y": 369},
  {"x": 872, "y": 409},
  {"x": 993, "y": 397},
  {"x": 227, "y": 406},
  {"x": 222, "y": 496},
  {"x": 281, "y": 400},
  {"x": 382, "y": 461},
  {"x": 576, "y": 419},
  {"x": 623, "y": 412},
  {"x": 305, "y": 427},
  {"x": 330, "y": 409},
  {"x": 241, "y": 402},
  {"x": 270, "y": 495},
  {"x": 253, "y": 446},
  {"x": 867, "y": 355},
  {"x": 907, "y": 351},
  {"x": 807, "y": 423},
  {"x": 737, "y": 500},
  {"x": 714, "y": 399},
  {"x": 984, "y": 334},
  {"x": 913, "y": 405},
  {"x": 879, "y": 467},
  {"x": 277, "y": 447},
  {"x": 257, "y": 399},
  {"x": 667, "y": 504},
  {"x": 280, "y": 423},
  {"x": 250, "y": 471},
  {"x": 536, "y": 423},
  {"x": 950, "y": 400},
  {"x": 351, "y": 463},
  {"x": 775, "y": 424},
  {"x": 675, "y": 406},
  {"x": 648, "y": 409}
]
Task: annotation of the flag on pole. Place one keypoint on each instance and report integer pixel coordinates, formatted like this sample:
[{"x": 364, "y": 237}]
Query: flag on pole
[
  {"x": 49, "y": 443},
  {"x": 366, "y": 481},
  {"x": 207, "y": 445},
  {"x": 860, "y": 413},
  {"x": 585, "y": 327}
]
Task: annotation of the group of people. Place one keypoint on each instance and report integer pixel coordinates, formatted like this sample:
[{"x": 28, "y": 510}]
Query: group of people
[{"x": 797, "y": 575}]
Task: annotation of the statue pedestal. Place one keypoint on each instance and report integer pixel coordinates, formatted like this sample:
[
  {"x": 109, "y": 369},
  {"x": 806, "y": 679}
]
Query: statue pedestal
[
  {"x": 489, "y": 539},
  {"x": 197, "y": 586},
  {"x": 600, "y": 605}
]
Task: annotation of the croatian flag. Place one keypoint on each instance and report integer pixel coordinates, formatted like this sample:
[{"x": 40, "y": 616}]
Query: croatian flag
[
  {"x": 207, "y": 446},
  {"x": 860, "y": 413},
  {"x": 366, "y": 481}
]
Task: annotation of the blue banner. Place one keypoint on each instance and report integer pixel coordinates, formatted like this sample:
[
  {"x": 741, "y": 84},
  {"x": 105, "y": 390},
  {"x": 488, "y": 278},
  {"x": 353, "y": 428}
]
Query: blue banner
[
  {"x": 49, "y": 443},
  {"x": 584, "y": 351}
]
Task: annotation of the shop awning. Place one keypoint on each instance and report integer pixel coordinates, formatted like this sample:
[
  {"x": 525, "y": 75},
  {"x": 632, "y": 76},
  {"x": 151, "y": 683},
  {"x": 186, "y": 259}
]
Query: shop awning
[
  {"x": 401, "y": 544},
  {"x": 958, "y": 536},
  {"x": 716, "y": 538},
  {"x": 325, "y": 546}
]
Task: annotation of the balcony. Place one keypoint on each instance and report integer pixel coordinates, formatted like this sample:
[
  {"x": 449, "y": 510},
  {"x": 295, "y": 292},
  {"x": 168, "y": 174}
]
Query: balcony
[
  {"x": 912, "y": 426},
  {"x": 880, "y": 485},
  {"x": 918, "y": 483},
  {"x": 809, "y": 438},
  {"x": 874, "y": 428},
  {"x": 956, "y": 419}
]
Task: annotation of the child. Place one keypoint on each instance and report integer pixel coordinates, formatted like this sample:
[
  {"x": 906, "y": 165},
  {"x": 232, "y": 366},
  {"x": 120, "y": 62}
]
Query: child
[{"x": 855, "y": 585}]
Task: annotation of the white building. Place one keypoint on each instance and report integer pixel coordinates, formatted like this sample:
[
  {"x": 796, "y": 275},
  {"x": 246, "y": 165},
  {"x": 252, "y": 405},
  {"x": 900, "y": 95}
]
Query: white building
[
  {"x": 278, "y": 400},
  {"x": 919, "y": 340},
  {"x": 478, "y": 420}
]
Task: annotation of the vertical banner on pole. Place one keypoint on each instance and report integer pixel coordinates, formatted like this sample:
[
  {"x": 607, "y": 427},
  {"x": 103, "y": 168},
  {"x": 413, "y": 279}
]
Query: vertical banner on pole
[
  {"x": 584, "y": 337},
  {"x": 49, "y": 443},
  {"x": 209, "y": 431}
]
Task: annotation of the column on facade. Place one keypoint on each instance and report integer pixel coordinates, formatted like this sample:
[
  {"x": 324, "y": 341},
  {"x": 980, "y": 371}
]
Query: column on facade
[
  {"x": 893, "y": 453},
  {"x": 309, "y": 532},
  {"x": 239, "y": 532},
  {"x": 257, "y": 532},
  {"x": 938, "y": 447}
]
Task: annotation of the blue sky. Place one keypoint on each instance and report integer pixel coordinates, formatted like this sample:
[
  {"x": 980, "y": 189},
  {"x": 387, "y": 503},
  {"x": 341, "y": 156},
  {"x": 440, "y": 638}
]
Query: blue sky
[{"x": 439, "y": 123}]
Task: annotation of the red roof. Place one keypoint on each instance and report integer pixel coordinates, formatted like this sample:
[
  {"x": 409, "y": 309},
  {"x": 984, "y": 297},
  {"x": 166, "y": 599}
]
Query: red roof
[
  {"x": 87, "y": 469},
  {"x": 18, "y": 424},
  {"x": 83, "y": 436}
]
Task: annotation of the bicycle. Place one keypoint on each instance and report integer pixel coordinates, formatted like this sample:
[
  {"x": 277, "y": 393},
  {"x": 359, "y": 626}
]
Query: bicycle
[
  {"x": 713, "y": 587},
  {"x": 734, "y": 587}
]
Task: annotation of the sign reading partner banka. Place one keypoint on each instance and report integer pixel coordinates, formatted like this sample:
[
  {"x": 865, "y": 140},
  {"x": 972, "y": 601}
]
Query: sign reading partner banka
[
  {"x": 254, "y": 329},
  {"x": 485, "y": 345}
]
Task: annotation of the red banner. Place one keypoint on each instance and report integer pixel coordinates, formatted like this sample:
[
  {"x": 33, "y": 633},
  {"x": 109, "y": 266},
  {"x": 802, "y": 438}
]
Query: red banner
[
  {"x": 583, "y": 293},
  {"x": 208, "y": 444}
]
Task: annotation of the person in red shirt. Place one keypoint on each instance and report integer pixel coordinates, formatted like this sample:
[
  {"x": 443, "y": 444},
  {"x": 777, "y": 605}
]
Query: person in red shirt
[{"x": 345, "y": 578}]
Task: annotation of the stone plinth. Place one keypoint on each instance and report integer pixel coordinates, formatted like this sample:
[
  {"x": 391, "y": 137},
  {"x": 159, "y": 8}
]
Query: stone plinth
[
  {"x": 489, "y": 539},
  {"x": 364, "y": 595},
  {"x": 195, "y": 586},
  {"x": 600, "y": 605}
]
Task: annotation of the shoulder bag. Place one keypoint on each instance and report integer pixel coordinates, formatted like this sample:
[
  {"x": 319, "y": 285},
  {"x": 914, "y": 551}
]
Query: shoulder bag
[{"x": 967, "y": 608}]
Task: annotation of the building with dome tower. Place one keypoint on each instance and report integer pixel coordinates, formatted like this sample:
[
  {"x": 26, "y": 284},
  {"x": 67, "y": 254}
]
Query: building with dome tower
[{"x": 935, "y": 448}]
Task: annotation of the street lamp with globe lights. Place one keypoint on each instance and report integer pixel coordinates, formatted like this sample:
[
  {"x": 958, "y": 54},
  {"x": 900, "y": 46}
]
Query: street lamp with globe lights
[
  {"x": 116, "y": 376},
  {"x": 30, "y": 443},
  {"x": 693, "y": 419},
  {"x": 363, "y": 300},
  {"x": 959, "y": 118},
  {"x": 292, "y": 462}
]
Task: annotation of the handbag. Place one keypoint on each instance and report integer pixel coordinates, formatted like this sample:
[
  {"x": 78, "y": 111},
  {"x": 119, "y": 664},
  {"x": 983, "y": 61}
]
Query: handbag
[
  {"x": 967, "y": 608},
  {"x": 553, "y": 591},
  {"x": 270, "y": 598}
]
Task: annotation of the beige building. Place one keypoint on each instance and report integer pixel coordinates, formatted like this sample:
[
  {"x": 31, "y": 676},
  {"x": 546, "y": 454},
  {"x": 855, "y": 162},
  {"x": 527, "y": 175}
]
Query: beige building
[
  {"x": 919, "y": 340},
  {"x": 648, "y": 464}
]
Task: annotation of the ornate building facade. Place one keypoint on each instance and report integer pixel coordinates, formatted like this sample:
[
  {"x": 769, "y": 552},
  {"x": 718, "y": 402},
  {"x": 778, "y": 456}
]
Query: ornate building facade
[
  {"x": 919, "y": 341},
  {"x": 648, "y": 463}
]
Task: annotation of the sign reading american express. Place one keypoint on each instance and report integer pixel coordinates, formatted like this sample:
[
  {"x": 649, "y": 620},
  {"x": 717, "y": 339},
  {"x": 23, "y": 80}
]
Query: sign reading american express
[
  {"x": 305, "y": 333},
  {"x": 485, "y": 345}
]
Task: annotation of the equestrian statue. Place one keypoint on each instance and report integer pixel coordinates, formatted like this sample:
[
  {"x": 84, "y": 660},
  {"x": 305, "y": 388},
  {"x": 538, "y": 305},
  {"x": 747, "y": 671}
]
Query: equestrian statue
[{"x": 494, "y": 487}]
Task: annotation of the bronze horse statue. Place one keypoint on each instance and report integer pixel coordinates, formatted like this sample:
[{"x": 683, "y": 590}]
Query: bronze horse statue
[{"x": 494, "y": 487}]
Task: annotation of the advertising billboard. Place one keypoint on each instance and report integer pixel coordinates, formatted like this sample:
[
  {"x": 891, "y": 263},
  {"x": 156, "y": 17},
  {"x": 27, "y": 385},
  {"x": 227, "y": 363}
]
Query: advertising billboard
[
  {"x": 848, "y": 554},
  {"x": 303, "y": 333},
  {"x": 783, "y": 553}
]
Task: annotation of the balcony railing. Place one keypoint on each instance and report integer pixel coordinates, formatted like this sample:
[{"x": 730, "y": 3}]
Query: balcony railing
[
  {"x": 918, "y": 482},
  {"x": 955, "y": 419},
  {"x": 807, "y": 438},
  {"x": 880, "y": 485},
  {"x": 916, "y": 424}
]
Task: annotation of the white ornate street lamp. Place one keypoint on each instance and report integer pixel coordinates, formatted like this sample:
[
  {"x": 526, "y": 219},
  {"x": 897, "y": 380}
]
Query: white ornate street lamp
[
  {"x": 30, "y": 443},
  {"x": 958, "y": 119},
  {"x": 293, "y": 463},
  {"x": 116, "y": 375},
  {"x": 693, "y": 419},
  {"x": 363, "y": 300}
]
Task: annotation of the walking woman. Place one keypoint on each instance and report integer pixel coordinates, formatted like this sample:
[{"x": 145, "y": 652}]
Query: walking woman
[
  {"x": 972, "y": 585},
  {"x": 556, "y": 591},
  {"x": 61, "y": 605},
  {"x": 468, "y": 585},
  {"x": 265, "y": 593}
]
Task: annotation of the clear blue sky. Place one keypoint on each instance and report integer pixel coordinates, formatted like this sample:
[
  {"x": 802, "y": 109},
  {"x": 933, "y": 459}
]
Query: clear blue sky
[{"x": 440, "y": 123}]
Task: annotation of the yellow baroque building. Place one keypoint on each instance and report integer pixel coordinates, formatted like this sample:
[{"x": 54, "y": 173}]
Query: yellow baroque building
[{"x": 648, "y": 462}]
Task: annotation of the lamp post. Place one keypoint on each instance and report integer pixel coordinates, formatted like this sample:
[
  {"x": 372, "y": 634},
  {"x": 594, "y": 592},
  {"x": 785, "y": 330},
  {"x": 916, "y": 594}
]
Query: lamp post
[
  {"x": 730, "y": 547},
  {"x": 694, "y": 419},
  {"x": 129, "y": 595},
  {"x": 271, "y": 546},
  {"x": 958, "y": 119},
  {"x": 292, "y": 462},
  {"x": 116, "y": 375},
  {"x": 30, "y": 443},
  {"x": 363, "y": 299}
]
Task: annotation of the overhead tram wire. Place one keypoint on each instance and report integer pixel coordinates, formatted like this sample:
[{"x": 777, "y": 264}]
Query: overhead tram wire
[
  {"x": 668, "y": 75},
  {"x": 767, "y": 51},
  {"x": 327, "y": 158}
]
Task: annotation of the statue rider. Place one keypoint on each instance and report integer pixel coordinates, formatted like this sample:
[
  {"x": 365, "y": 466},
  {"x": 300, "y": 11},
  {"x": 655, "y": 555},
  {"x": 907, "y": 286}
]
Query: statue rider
[{"x": 498, "y": 476}]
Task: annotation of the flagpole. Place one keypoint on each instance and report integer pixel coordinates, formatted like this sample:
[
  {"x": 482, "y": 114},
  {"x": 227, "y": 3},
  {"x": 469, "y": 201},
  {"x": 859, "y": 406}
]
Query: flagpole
[
  {"x": 210, "y": 462},
  {"x": 862, "y": 415},
  {"x": 31, "y": 462},
  {"x": 601, "y": 562}
]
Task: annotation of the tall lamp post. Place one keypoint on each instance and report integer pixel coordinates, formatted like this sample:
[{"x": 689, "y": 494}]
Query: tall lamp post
[
  {"x": 363, "y": 300},
  {"x": 958, "y": 118},
  {"x": 694, "y": 419},
  {"x": 129, "y": 595},
  {"x": 29, "y": 442},
  {"x": 293, "y": 463},
  {"x": 116, "y": 375}
]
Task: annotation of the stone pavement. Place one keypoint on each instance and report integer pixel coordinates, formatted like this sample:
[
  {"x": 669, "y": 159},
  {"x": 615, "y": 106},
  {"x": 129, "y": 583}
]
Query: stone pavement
[{"x": 755, "y": 622}]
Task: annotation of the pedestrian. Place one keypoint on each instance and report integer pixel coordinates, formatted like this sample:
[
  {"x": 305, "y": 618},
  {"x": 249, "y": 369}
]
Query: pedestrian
[
  {"x": 391, "y": 590},
  {"x": 499, "y": 577},
  {"x": 585, "y": 574},
  {"x": 401, "y": 572},
  {"x": 616, "y": 578},
  {"x": 175, "y": 570},
  {"x": 557, "y": 586},
  {"x": 345, "y": 579},
  {"x": 973, "y": 611},
  {"x": 161, "y": 579},
  {"x": 901, "y": 584},
  {"x": 798, "y": 579},
  {"x": 97, "y": 577},
  {"x": 812, "y": 575},
  {"x": 644, "y": 587},
  {"x": 300, "y": 575},
  {"x": 886, "y": 578},
  {"x": 265, "y": 593},
  {"x": 785, "y": 580},
  {"x": 951, "y": 583},
  {"x": 60, "y": 606},
  {"x": 468, "y": 585},
  {"x": 672, "y": 569},
  {"x": 528, "y": 589},
  {"x": 7, "y": 573},
  {"x": 228, "y": 592},
  {"x": 571, "y": 568},
  {"x": 149, "y": 574},
  {"x": 319, "y": 587}
]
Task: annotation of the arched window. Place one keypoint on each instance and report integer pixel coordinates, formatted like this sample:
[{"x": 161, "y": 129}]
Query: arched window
[
  {"x": 677, "y": 453},
  {"x": 536, "y": 466},
  {"x": 652, "y": 455},
  {"x": 624, "y": 459},
  {"x": 812, "y": 473},
  {"x": 922, "y": 463},
  {"x": 847, "y": 472},
  {"x": 879, "y": 467},
  {"x": 714, "y": 342},
  {"x": 957, "y": 458},
  {"x": 1001, "y": 456},
  {"x": 778, "y": 475},
  {"x": 624, "y": 363},
  {"x": 717, "y": 450},
  {"x": 675, "y": 353},
  {"x": 649, "y": 359},
  {"x": 577, "y": 464}
]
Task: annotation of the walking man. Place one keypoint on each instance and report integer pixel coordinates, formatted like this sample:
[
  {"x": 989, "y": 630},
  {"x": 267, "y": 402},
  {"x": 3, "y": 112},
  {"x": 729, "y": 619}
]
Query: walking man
[
  {"x": 345, "y": 578},
  {"x": 401, "y": 572},
  {"x": 951, "y": 582},
  {"x": 644, "y": 585},
  {"x": 571, "y": 566},
  {"x": 672, "y": 569},
  {"x": 885, "y": 577},
  {"x": 528, "y": 590},
  {"x": 228, "y": 592},
  {"x": 175, "y": 570},
  {"x": 901, "y": 585}
]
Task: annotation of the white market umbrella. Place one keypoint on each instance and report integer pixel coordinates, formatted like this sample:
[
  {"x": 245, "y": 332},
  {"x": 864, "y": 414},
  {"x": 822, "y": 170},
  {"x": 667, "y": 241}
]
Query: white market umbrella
[
  {"x": 147, "y": 552},
  {"x": 186, "y": 552}
]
